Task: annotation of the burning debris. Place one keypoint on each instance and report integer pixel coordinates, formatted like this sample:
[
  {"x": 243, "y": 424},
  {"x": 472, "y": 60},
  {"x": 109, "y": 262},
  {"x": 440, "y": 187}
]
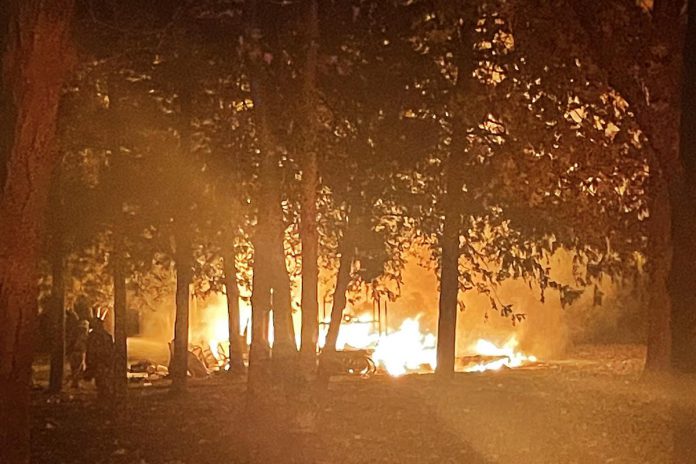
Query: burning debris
[
  {"x": 490, "y": 357},
  {"x": 364, "y": 347}
]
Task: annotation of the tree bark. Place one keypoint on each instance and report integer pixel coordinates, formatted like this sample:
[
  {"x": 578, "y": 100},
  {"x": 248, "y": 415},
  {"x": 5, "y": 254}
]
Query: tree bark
[
  {"x": 270, "y": 271},
  {"x": 682, "y": 276},
  {"x": 452, "y": 202},
  {"x": 118, "y": 262},
  {"x": 343, "y": 279},
  {"x": 183, "y": 232},
  {"x": 181, "y": 324},
  {"x": 260, "y": 349},
  {"x": 449, "y": 270},
  {"x": 284, "y": 344},
  {"x": 310, "y": 183},
  {"x": 232, "y": 294},
  {"x": 658, "y": 117},
  {"x": 120, "y": 368},
  {"x": 57, "y": 303},
  {"x": 36, "y": 61},
  {"x": 659, "y": 342}
]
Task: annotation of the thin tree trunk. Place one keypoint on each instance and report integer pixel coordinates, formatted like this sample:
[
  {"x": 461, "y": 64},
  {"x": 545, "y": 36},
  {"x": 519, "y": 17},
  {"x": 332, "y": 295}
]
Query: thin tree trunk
[
  {"x": 310, "y": 183},
  {"x": 454, "y": 172},
  {"x": 343, "y": 278},
  {"x": 57, "y": 306},
  {"x": 183, "y": 253},
  {"x": 259, "y": 351},
  {"x": 118, "y": 261},
  {"x": 55, "y": 383},
  {"x": 260, "y": 348},
  {"x": 682, "y": 276},
  {"x": 449, "y": 271},
  {"x": 36, "y": 61},
  {"x": 232, "y": 294},
  {"x": 120, "y": 370},
  {"x": 181, "y": 323}
]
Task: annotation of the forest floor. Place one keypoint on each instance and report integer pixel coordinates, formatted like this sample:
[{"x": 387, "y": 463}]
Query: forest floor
[{"x": 594, "y": 408}]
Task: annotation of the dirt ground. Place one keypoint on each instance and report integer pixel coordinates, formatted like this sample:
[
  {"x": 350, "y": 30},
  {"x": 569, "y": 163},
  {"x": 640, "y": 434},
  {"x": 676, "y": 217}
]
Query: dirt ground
[{"x": 593, "y": 408}]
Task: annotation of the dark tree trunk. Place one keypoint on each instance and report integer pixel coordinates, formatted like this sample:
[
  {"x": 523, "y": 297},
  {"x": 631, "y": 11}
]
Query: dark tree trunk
[
  {"x": 284, "y": 344},
  {"x": 260, "y": 350},
  {"x": 181, "y": 324},
  {"x": 660, "y": 124},
  {"x": 55, "y": 382},
  {"x": 270, "y": 271},
  {"x": 452, "y": 202},
  {"x": 449, "y": 270},
  {"x": 260, "y": 312},
  {"x": 310, "y": 183},
  {"x": 118, "y": 262},
  {"x": 682, "y": 277},
  {"x": 120, "y": 371},
  {"x": 343, "y": 278},
  {"x": 232, "y": 294},
  {"x": 659, "y": 304},
  {"x": 57, "y": 305},
  {"x": 183, "y": 233},
  {"x": 36, "y": 61}
]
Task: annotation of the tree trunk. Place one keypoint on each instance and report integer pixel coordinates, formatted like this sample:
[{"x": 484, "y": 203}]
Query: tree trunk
[
  {"x": 259, "y": 351},
  {"x": 310, "y": 183},
  {"x": 232, "y": 293},
  {"x": 659, "y": 314},
  {"x": 183, "y": 230},
  {"x": 449, "y": 270},
  {"x": 682, "y": 276},
  {"x": 343, "y": 278},
  {"x": 36, "y": 61},
  {"x": 452, "y": 202},
  {"x": 284, "y": 344},
  {"x": 57, "y": 305},
  {"x": 181, "y": 323},
  {"x": 120, "y": 369},
  {"x": 658, "y": 117},
  {"x": 270, "y": 271},
  {"x": 118, "y": 262}
]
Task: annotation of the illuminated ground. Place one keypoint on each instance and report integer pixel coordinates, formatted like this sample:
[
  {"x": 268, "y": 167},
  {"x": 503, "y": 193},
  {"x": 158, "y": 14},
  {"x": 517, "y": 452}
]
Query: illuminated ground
[{"x": 581, "y": 411}]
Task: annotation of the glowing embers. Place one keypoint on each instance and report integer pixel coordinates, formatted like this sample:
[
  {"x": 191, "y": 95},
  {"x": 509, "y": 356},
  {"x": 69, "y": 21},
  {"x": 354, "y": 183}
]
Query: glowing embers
[{"x": 490, "y": 357}]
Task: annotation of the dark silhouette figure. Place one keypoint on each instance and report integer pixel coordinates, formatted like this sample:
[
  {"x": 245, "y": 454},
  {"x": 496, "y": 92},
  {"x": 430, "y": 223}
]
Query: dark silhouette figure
[
  {"x": 77, "y": 351},
  {"x": 100, "y": 358}
]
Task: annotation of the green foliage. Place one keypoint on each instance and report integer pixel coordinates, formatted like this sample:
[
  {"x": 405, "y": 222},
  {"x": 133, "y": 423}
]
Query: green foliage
[{"x": 161, "y": 136}]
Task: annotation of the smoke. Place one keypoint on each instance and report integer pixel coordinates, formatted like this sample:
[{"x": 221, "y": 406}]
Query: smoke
[{"x": 547, "y": 331}]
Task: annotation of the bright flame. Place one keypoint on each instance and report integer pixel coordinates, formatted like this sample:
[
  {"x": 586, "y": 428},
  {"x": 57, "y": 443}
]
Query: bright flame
[
  {"x": 398, "y": 352},
  {"x": 357, "y": 333},
  {"x": 407, "y": 349},
  {"x": 404, "y": 350},
  {"x": 506, "y": 354}
]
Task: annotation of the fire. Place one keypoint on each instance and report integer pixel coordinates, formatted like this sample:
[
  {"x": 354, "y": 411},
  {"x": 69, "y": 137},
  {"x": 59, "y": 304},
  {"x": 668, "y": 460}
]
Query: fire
[
  {"x": 354, "y": 333},
  {"x": 503, "y": 356},
  {"x": 405, "y": 350},
  {"x": 399, "y": 352}
]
